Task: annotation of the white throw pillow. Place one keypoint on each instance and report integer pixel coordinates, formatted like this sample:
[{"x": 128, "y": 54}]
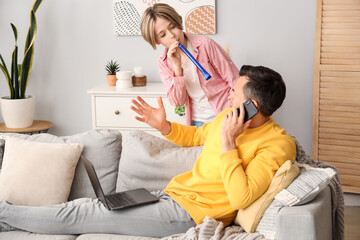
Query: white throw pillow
[
  {"x": 37, "y": 174},
  {"x": 303, "y": 189},
  {"x": 101, "y": 146},
  {"x": 313, "y": 186}
]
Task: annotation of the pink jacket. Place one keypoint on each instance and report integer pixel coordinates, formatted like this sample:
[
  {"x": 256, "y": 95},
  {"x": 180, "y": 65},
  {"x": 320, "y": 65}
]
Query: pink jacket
[{"x": 215, "y": 61}]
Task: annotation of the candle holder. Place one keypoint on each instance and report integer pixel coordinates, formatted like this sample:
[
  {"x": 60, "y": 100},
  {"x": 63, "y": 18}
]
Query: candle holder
[{"x": 139, "y": 81}]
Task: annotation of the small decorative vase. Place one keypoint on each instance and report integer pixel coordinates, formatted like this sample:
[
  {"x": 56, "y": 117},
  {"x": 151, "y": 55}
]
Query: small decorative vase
[
  {"x": 111, "y": 80},
  {"x": 124, "y": 79},
  {"x": 18, "y": 113}
]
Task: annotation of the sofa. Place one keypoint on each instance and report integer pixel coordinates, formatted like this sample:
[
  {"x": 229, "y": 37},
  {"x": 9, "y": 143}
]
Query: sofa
[{"x": 138, "y": 159}]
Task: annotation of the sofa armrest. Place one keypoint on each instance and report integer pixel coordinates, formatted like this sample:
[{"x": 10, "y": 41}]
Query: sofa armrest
[{"x": 311, "y": 221}]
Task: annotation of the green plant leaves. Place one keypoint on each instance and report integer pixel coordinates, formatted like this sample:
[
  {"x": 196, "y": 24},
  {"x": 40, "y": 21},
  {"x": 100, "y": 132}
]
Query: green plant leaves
[
  {"x": 34, "y": 8},
  {"x": 4, "y": 68},
  {"x": 28, "y": 57},
  {"x": 6, "y": 73},
  {"x": 36, "y": 5},
  {"x": 15, "y": 32},
  {"x": 180, "y": 110},
  {"x": 20, "y": 73},
  {"x": 14, "y": 92},
  {"x": 112, "y": 67}
]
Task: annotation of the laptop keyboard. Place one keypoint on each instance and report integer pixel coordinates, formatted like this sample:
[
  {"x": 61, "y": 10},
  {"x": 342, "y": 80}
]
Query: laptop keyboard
[{"x": 119, "y": 199}]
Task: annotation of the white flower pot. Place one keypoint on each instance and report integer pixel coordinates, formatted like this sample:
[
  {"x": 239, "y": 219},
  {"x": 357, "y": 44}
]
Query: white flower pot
[{"x": 18, "y": 113}]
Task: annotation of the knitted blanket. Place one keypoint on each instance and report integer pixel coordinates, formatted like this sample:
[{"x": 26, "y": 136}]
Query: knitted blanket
[
  {"x": 214, "y": 230},
  {"x": 211, "y": 229}
]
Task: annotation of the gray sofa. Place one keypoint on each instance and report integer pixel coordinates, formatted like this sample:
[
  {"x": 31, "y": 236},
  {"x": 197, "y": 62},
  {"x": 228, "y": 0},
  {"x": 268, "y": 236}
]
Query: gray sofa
[{"x": 119, "y": 160}]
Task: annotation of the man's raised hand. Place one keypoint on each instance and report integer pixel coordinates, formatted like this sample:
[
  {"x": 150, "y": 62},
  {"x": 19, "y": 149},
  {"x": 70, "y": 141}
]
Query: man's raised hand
[{"x": 154, "y": 117}]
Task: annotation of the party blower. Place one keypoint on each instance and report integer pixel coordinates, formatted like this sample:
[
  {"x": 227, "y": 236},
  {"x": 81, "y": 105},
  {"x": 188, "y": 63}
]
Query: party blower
[{"x": 205, "y": 73}]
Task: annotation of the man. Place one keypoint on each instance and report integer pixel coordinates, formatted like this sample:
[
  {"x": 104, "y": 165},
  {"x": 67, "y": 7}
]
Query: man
[
  {"x": 236, "y": 166},
  {"x": 239, "y": 159}
]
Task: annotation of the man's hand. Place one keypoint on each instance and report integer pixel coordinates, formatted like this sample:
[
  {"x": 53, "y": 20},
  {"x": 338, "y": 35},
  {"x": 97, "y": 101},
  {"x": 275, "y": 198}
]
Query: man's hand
[
  {"x": 155, "y": 117},
  {"x": 232, "y": 127}
]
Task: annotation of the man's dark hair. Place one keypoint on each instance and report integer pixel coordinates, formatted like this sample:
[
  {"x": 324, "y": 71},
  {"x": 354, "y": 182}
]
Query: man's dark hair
[{"x": 265, "y": 86}]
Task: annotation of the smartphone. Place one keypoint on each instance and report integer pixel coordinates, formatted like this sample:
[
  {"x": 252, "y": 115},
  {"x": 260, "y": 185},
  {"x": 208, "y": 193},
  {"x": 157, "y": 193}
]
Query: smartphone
[{"x": 250, "y": 110}]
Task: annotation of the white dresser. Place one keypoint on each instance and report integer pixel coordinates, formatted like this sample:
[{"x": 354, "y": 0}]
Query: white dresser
[{"x": 111, "y": 107}]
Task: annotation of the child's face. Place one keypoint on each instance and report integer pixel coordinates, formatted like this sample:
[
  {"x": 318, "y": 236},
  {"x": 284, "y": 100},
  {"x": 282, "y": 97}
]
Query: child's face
[
  {"x": 237, "y": 96},
  {"x": 167, "y": 33}
]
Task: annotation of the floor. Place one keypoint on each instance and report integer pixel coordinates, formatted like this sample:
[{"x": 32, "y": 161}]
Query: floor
[{"x": 352, "y": 222}]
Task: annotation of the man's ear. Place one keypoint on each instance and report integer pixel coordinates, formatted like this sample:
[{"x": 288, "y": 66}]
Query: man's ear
[{"x": 255, "y": 103}]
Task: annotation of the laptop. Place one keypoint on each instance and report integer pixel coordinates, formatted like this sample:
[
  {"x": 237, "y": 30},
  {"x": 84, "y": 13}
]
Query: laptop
[{"x": 118, "y": 200}]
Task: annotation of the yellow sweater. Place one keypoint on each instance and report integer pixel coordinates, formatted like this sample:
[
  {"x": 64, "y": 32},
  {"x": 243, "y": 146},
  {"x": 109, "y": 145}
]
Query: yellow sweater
[{"x": 221, "y": 183}]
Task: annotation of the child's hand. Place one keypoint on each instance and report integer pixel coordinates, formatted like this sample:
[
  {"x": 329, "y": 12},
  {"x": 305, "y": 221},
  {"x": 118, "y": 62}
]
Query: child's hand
[{"x": 175, "y": 57}]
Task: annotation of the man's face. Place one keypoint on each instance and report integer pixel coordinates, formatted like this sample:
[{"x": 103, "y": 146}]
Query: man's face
[
  {"x": 167, "y": 33},
  {"x": 237, "y": 96}
]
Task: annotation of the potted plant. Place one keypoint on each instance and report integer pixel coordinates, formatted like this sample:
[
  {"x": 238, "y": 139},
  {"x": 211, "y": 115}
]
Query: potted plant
[
  {"x": 18, "y": 108},
  {"x": 111, "y": 69}
]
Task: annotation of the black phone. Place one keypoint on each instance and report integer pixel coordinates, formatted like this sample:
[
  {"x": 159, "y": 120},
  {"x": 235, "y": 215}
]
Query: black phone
[{"x": 250, "y": 110}]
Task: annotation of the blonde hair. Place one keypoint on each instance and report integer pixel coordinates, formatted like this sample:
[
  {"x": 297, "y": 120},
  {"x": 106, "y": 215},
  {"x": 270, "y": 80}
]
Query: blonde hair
[{"x": 159, "y": 10}]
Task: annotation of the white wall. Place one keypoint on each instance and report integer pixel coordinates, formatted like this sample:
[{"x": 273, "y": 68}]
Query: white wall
[{"x": 75, "y": 40}]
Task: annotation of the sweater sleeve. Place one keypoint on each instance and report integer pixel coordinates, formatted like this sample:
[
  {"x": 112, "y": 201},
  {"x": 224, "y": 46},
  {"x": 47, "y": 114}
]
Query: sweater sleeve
[
  {"x": 188, "y": 136},
  {"x": 175, "y": 86},
  {"x": 244, "y": 185}
]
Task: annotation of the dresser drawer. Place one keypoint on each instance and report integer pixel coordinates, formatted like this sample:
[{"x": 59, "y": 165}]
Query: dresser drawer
[{"x": 115, "y": 112}]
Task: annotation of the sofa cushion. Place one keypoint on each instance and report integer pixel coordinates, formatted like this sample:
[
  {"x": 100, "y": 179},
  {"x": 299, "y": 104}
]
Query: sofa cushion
[
  {"x": 37, "y": 174},
  {"x": 250, "y": 217},
  {"x": 21, "y": 235},
  {"x": 101, "y": 147},
  {"x": 99, "y": 236},
  {"x": 151, "y": 162}
]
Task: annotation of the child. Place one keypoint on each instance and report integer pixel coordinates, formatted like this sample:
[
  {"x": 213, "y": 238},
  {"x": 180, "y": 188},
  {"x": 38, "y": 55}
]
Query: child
[{"x": 184, "y": 83}]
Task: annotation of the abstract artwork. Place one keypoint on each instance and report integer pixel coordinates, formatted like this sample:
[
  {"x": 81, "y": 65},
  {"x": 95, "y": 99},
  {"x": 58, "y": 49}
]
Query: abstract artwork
[{"x": 198, "y": 15}]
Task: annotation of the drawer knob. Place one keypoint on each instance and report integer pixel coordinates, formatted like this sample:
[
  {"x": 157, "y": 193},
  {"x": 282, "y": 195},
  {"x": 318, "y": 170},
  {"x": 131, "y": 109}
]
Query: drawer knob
[{"x": 117, "y": 112}]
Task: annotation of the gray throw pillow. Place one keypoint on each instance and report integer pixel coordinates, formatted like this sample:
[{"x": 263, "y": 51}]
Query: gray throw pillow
[
  {"x": 151, "y": 162},
  {"x": 101, "y": 147}
]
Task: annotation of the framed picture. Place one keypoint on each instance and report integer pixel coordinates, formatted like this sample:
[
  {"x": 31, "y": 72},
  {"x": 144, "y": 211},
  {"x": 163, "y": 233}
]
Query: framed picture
[{"x": 198, "y": 15}]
